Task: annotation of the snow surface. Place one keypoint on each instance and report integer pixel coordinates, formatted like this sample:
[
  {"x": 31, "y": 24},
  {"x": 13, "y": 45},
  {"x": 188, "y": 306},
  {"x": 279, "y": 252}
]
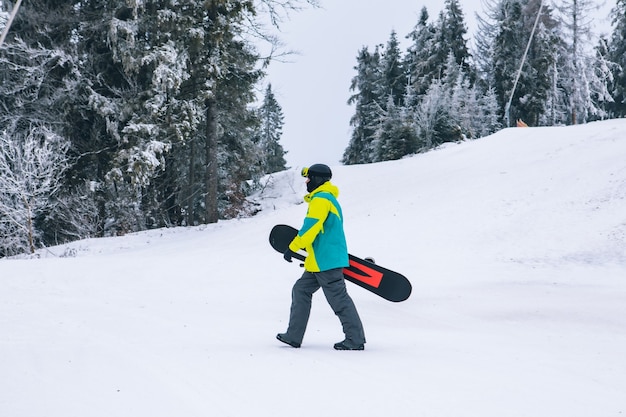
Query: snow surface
[{"x": 515, "y": 245}]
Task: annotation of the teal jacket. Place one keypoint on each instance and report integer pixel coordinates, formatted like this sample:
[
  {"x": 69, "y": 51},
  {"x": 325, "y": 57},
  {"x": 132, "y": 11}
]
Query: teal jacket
[{"x": 322, "y": 234}]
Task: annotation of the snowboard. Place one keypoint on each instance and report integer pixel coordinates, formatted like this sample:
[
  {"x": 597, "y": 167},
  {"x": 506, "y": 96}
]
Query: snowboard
[{"x": 383, "y": 282}]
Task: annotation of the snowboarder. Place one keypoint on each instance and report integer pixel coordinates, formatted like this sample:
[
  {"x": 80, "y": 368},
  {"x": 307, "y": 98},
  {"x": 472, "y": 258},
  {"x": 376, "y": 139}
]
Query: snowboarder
[{"x": 322, "y": 236}]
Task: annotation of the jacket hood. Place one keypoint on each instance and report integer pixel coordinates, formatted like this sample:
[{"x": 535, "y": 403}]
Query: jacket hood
[{"x": 327, "y": 187}]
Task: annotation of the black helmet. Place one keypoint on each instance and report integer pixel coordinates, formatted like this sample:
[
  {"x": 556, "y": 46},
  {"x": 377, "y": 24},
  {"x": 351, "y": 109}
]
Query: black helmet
[
  {"x": 317, "y": 170},
  {"x": 317, "y": 174}
]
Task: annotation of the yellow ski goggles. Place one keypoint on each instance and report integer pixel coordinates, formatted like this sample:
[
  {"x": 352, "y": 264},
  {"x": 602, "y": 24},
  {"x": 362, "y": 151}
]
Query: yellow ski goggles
[{"x": 317, "y": 170}]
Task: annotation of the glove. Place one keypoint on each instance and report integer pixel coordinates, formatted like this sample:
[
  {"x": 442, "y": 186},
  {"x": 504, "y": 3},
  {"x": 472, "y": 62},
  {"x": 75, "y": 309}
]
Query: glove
[{"x": 288, "y": 254}]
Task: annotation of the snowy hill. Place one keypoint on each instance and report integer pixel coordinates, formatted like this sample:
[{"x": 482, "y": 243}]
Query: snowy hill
[{"x": 515, "y": 245}]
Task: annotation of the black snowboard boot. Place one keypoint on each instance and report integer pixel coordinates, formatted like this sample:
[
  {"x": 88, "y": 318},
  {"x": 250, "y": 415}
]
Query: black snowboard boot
[
  {"x": 349, "y": 345},
  {"x": 282, "y": 337}
]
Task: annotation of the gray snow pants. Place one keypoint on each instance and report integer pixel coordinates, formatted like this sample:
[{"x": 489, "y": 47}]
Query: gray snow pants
[{"x": 334, "y": 287}]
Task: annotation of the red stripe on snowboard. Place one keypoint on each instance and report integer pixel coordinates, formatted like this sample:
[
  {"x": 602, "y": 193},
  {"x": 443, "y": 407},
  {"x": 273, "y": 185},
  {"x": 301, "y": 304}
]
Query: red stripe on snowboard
[{"x": 371, "y": 277}]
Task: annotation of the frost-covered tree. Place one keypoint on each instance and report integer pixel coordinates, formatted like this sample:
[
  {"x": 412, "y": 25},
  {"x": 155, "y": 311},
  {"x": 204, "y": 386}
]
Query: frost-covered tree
[
  {"x": 515, "y": 20},
  {"x": 396, "y": 136},
  {"x": 159, "y": 47},
  {"x": 544, "y": 51},
  {"x": 73, "y": 214},
  {"x": 237, "y": 123},
  {"x": 577, "y": 63},
  {"x": 419, "y": 63},
  {"x": 165, "y": 109},
  {"x": 431, "y": 44},
  {"x": 602, "y": 79},
  {"x": 393, "y": 76},
  {"x": 617, "y": 55},
  {"x": 433, "y": 120},
  {"x": 473, "y": 113},
  {"x": 35, "y": 83},
  {"x": 366, "y": 99},
  {"x": 488, "y": 120},
  {"x": 464, "y": 106},
  {"x": 271, "y": 129},
  {"x": 455, "y": 35},
  {"x": 31, "y": 169}
]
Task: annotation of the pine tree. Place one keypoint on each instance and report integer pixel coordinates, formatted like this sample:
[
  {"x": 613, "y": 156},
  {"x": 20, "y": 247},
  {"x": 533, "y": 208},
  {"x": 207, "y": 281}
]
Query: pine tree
[
  {"x": 391, "y": 139},
  {"x": 393, "y": 77},
  {"x": 617, "y": 55},
  {"x": 446, "y": 36},
  {"x": 396, "y": 136},
  {"x": 541, "y": 57},
  {"x": 603, "y": 69},
  {"x": 419, "y": 64},
  {"x": 433, "y": 120},
  {"x": 576, "y": 70},
  {"x": 368, "y": 108},
  {"x": 179, "y": 77},
  {"x": 455, "y": 33},
  {"x": 484, "y": 42},
  {"x": 515, "y": 23},
  {"x": 237, "y": 123},
  {"x": 488, "y": 121},
  {"x": 271, "y": 116}
]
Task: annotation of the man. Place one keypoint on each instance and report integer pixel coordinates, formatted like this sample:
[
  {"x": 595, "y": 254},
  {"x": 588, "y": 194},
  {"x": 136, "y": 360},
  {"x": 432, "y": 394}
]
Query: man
[{"x": 323, "y": 238}]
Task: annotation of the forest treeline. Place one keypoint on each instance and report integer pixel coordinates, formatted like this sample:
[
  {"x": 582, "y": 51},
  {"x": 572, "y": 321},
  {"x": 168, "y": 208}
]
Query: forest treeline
[
  {"x": 441, "y": 90},
  {"x": 120, "y": 116}
]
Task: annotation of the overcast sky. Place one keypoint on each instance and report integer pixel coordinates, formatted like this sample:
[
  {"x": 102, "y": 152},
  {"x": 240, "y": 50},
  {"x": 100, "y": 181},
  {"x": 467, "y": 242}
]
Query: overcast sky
[{"x": 313, "y": 88}]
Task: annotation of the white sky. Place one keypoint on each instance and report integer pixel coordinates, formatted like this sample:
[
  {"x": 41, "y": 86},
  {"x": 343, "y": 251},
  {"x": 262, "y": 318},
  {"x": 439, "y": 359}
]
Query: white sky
[{"x": 313, "y": 88}]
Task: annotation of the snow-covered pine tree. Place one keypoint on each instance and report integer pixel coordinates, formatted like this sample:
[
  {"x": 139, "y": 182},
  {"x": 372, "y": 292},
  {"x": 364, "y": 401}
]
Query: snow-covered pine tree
[
  {"x": 169, "y": 86},
  {"x": 396, "y": 136},
  {"x": 475, "y": 111},
  {"x": 428, "y": 56},
  {"x": 576, "y": 71},
  {"x": 366, "y": 99},
  {"x": 603, "y": 69},
  {"x": 418, "y": 57},
  {"x": 463, "y": 105},
  {"x": 543, "y": 52},
  {"x": 393, "y": 76},
  {"x": 433, "y": 121},
  {"x": 617, "y": 55},
  {"x": 438, "y": 54},
  {"x": 237, "y": 123},
  {"x": 270, "y": 131},
  {"x": 488, "y": 120},
  {"x": 515, "y": 20},
  {"x": 454, "y": 30},
  {"x": 392, "y": 140}
]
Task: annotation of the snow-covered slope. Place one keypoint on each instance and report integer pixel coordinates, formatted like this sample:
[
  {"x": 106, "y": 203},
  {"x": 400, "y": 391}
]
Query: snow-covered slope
[{"x": 515, "y": 245}]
